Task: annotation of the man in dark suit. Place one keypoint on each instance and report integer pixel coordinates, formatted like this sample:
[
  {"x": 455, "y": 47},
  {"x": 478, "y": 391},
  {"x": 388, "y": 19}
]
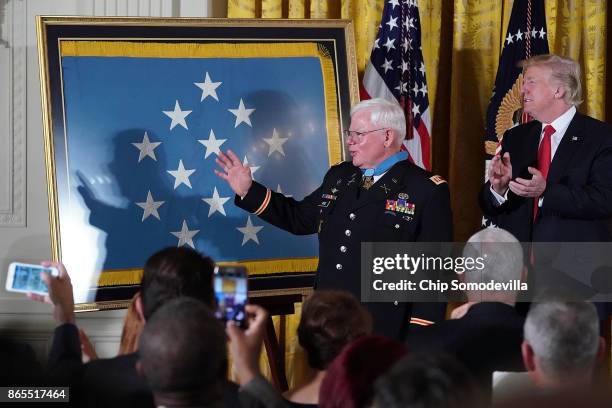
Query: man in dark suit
[
  {"x": 168, "y": 274},
  {"x": 486, "y": 333},
  {"x": 552, "y": 180},
  {"x": 379, "y": 196}
]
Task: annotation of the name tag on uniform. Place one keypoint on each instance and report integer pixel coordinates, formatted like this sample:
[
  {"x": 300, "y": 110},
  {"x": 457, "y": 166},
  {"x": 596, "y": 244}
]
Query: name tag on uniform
[{"x": 329, "y": 196}]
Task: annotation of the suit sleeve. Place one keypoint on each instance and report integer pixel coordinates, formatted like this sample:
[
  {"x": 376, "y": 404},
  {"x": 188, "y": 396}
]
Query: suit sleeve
[
  {"x": 590, "y": 201},
  {"x": 65, "y": 365},
  {"x": 297, "y": 217},
  {"x": 437, "y": 224}
]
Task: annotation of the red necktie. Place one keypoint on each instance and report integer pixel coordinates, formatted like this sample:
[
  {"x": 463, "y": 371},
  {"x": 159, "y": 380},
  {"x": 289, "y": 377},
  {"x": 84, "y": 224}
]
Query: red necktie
[{"x": 544, "y": 157}]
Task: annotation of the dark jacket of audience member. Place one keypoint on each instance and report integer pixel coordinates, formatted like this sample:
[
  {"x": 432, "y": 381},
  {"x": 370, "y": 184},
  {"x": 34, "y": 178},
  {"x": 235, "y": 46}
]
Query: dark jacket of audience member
[
  {"x": 168, "y": 274},
  {"x": 183, "y": 355},
  {"x": 488, "y": 338},
  {"x": 350, "y": 378},
  {"x": 18, "y": 364},
  {"x": 427, "y": 380}
]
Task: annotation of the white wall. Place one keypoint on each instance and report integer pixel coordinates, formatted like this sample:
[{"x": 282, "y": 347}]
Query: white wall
[{"x": 24, "y": 215}]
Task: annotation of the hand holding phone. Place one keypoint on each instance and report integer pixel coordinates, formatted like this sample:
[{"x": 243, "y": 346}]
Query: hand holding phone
[
  {"x": 53, "y": 286},
  {"x": 25, "y": 278},
  {"x": 230, "y": 284}
]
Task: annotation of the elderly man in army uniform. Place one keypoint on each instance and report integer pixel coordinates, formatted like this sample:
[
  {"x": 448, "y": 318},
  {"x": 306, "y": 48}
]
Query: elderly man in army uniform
[{"x": 378, "y": 196}]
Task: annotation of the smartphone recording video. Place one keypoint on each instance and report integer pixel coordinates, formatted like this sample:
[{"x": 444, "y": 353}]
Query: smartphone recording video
[
  {"x": 25, "y": 278},
  {"x": 231, "y": 292}
]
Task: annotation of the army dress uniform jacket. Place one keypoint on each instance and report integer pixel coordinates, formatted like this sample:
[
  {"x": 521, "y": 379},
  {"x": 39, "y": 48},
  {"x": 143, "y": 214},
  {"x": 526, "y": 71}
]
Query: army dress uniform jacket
[{"x": 344, "y": 214}]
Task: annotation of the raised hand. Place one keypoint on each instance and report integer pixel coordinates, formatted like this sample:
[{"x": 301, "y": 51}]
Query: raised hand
[
  {"x": 237, "y": 175},
  {"x": 245, "y": 345},
  {"x": 60, "y": 293},
  {"x": 500, "y": 173}
]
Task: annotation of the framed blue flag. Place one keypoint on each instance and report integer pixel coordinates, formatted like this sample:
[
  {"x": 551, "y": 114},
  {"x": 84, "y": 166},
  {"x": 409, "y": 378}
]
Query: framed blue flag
[{"x": 135, "y": 112}]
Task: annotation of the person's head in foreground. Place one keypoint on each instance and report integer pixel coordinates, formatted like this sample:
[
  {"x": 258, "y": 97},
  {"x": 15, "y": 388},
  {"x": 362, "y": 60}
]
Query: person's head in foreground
[
  {"x": 183, "y": 354},
  {"x": 427, "y": 380},
  {"x": 377, "y": 130},
  {"x": 350, "y": 378},
  {"x": 562, "y": 344},
  {"x": 174, "y": 272},
  {"x": 502, "y": 257},
  {"x": 330, "y": 320}
]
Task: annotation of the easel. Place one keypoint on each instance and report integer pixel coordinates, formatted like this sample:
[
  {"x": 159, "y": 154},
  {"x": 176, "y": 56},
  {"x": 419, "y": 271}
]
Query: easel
[{"x": 278, "y": 302}]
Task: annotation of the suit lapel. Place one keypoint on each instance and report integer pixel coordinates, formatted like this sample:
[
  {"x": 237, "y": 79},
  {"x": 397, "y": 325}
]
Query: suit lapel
[
  {"x": 572, "y": 140},
  {"x": 385, "y": 187},
  {"x": 533, "y": 146}
]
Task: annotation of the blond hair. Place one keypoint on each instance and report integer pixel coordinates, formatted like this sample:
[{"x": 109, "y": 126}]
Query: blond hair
[{"x": 564, "y": 70}]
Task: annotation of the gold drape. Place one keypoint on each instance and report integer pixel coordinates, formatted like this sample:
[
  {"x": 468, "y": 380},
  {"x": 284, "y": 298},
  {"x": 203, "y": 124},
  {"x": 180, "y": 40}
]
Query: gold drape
[
  {"x": 462, "y": 41},
  {"x": 364, "y": 13}
]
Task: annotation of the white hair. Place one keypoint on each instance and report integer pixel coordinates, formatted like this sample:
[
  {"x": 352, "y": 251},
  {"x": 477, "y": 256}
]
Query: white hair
[
  {"x": 501, "y": 252},
  {"x": 386, "y": 114},
  {"x": 564, "y": 337}
]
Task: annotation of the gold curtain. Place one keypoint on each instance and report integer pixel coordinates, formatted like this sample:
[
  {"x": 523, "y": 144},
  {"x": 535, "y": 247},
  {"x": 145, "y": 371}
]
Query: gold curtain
[
  {"x": 462, "y": 41},
  {"x": 364, "y": 13}
]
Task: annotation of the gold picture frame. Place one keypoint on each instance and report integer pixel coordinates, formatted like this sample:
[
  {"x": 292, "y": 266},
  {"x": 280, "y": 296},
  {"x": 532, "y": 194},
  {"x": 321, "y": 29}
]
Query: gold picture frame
[{"x": 99, "y": 77}]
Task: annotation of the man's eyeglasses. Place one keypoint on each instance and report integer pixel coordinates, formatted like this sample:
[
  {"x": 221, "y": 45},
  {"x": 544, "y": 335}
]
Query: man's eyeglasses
[{"x": 355, "y": 135}]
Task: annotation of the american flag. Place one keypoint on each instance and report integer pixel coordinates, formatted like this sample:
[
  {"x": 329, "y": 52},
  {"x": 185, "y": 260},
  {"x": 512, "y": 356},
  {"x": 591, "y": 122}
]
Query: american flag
[
  {"x": 142, "y": 166},
  {"x": 526, "y": 36},
  {"x": 396, "y": 72}
]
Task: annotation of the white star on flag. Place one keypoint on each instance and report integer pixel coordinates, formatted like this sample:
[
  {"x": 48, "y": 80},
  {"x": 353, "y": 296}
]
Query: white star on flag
[
  {"x": 178, "y": 116},
  {"x": 394, "y": 3},
  {"x": 181, "y": 176},
  {"x": 387, "y": 65},
  {"x": 242, "y": 114},
  {"x": 212, "y": 144},
  {"x": 415, "y": 109},
  {"x": 185, "y": 236},
  {"x": 245, "y": 162},
  {"x": 216, "y": 203},
  {"x": 509, "y": 39},
  {"x": 278, "y": 190},
  {"x": 250, "y": 232},
  {"x": 389, "y": 44},
  {"x": 542, "y": 32},
  {"x": 275, "y": 143},
  {"x": 146, "y": 148},
  {"x": 519, "y": 35},
  {"x": 150, "y": 207},
  {"x": 392, "y": 23},
  {"x": 208, "y": 88}
]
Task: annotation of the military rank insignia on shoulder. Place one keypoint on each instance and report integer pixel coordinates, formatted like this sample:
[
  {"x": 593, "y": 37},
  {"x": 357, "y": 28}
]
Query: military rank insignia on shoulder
[{"x": 437, "y": 180}]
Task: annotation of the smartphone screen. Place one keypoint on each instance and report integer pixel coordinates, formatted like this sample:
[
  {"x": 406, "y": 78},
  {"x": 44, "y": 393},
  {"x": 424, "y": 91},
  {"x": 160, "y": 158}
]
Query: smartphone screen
[
  {"x": 26, "y": 278},
  {"x": 231, "y": 292}
]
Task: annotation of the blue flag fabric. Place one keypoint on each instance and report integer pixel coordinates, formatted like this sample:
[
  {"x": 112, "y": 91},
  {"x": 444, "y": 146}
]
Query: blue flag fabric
[
  {"x": 526, "y": 36},
  {"x": 142, "y": 136}
]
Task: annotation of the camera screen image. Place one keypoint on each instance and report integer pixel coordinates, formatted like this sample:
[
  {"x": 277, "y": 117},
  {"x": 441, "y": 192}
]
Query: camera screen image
[
  {"x": 27, "y": 278},
  {"x": 231, "y": 293}
]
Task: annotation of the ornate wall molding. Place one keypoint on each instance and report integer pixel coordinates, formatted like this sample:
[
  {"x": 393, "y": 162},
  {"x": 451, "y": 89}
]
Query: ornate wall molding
[{"x": 14, "y": 140}]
